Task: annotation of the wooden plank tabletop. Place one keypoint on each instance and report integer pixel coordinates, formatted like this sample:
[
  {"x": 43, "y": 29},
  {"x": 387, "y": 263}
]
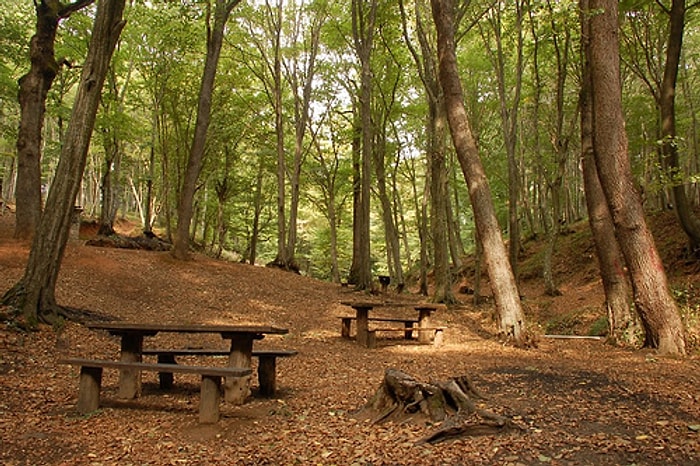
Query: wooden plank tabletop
[
  {"x": 151, "y": 328},
  {"x": 371, "y": 304}
]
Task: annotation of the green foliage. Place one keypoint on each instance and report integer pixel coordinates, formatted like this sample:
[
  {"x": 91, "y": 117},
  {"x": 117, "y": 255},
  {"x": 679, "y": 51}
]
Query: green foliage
[
  {"x": 688, "y": 300},
  {"x": 599, "y": 327}
]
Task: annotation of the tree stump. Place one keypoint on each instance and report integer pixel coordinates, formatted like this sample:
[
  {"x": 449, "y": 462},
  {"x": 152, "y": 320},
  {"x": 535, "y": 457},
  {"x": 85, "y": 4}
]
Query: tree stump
[{"x": 451, "y": 403}]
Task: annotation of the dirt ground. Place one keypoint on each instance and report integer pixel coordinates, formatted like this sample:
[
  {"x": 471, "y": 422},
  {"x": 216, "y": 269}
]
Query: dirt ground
[{"x": 579, "y": 402}]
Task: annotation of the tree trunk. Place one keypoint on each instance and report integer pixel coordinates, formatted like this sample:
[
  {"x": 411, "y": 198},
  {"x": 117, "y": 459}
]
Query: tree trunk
[
  {"x": 354, "y": 273},
  {"x": 509, "y": 124},
  {"x": 510, "y": 312},
  {"x": 667, "y": 96},
  {"x": 215, "y": 37},
  {"x": 437, "y": 166},
  {"x": 257, "y": 212},
  {"x": 363, "y": 20},
  {"x": 33, "y": 89},
  {"x": 653, "y": 301},
  {"x": 34, "y": 294},
  {"x": 621, "y": 323}
]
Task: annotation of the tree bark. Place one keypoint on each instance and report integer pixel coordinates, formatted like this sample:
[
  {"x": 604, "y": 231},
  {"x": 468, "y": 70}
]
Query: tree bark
[
  {"x": 34, "y": 294},
  {"x": 363, "y": 21},
  {"x": 436, "y": 129},
  {"x": 509, "y": 123},
  {"x": 653, "y": 301},
  {"x": 622, "y": 326},
  {"x": 215, "y": 37},
  {"x": 667, "y": 97},
  {"x": 510, "y": 312},
  {"x": 33, "y": 89}
]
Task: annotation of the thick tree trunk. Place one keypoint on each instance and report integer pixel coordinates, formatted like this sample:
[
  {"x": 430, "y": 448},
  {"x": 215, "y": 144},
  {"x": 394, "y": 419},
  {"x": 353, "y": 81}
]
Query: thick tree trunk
[
  {"x": 622, "y": 325},
  {"x": 215, "y": 38},
  {"x": 439, "y": 198},
  {"x": 33, "y": 89},
  {"x": 109, "y": 184},
  {"x": 653, "y": 301},
  {"x": 34, "y": 294},
  {"x": 510, "y": 312}
]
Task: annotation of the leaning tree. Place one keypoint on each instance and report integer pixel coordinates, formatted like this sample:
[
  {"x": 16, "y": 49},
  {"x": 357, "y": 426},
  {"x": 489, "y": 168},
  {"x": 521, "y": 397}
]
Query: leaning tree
[
  {"x": 652, "y": 298},
  {"x": 33, "y": 296},
  {"x": 510, "y": 311}
]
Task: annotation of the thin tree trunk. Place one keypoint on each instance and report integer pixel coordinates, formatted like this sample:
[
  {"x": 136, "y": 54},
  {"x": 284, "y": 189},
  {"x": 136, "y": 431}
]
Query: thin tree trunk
[
  {"x": 510, "y": 312},
  {"x": 509, "y": 124},
  {"x": 215, "y": 37},
  {"x": 258, "y": 206},
  {"x": 34, "y": 294},
  {"x": 653, "y": 301},
  {"x": 667, "y": 96},
  {"x": 363, "y": 20}
]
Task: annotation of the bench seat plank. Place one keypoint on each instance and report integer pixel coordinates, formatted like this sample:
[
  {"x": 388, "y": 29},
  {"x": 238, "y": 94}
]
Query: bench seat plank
[
  {"x": 408, "y": 324},
  {"x": 267, "y": 368},
  {"x": 437, "y": 333},
  {"x": 210, "y": 389}
]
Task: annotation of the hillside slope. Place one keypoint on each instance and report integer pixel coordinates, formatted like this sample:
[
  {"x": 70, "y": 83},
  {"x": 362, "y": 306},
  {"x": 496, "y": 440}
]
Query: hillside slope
[{"x": 578, "y": 402}]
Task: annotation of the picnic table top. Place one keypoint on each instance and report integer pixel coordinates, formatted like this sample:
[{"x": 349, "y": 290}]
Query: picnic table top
[
  {"x": 153, "y": 328},
  {"x": 372, "y": 304}
]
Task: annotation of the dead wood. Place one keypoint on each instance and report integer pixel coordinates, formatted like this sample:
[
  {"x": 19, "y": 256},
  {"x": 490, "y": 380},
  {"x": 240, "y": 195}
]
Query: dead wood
[{"x": 450, "y": 402}]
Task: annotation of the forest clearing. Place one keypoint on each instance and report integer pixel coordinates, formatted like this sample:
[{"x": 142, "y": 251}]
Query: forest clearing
[{"x": 578, "y": 402}]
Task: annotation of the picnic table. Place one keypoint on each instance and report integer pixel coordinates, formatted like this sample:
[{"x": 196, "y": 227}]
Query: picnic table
[
  {"x": 240, "y": 355},
  {"x": 363, "y": 308}
]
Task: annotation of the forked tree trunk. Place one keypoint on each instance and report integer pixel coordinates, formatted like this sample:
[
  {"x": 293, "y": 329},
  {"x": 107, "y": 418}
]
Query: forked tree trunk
[
  {"x": 510, "y": 312},
  {"x": 33, "y": 89},
  {"x": 436, "y": 132},
  {"x": 622, "y": 326},
  {"x": 34, "y": 294},
  {"x": 653, "y": 301}
]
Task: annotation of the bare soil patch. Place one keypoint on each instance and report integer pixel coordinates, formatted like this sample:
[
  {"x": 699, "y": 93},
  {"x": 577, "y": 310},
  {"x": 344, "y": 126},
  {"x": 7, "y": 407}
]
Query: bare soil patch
[{"x": 579, "y": 402}]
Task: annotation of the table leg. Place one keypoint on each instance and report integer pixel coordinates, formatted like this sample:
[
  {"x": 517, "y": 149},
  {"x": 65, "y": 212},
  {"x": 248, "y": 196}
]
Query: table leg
[
  {"x": 363, "y": 325},
  {"x": 237, "y": 389},
  {"x": 130, "y": 379},
  {"x": 424, "y": 322}
]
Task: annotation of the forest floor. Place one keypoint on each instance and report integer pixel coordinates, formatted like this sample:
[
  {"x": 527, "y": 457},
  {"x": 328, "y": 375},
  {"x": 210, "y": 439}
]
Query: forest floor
[{"x": 579, "y": 402}]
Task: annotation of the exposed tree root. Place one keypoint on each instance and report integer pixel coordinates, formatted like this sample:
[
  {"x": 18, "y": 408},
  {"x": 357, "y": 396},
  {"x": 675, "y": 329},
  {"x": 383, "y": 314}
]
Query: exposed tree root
[{"x": 451, "y": 403}]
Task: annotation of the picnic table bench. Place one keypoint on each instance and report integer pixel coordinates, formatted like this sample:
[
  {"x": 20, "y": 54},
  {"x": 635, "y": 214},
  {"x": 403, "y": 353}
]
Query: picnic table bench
[
  {"x": 210, "y": 389},
  {"x": 366, "y": 337},
  {"x": 240, "y": 353},
  {"x": 267, "y": 365},
  {"x": 407, "y": 322}
]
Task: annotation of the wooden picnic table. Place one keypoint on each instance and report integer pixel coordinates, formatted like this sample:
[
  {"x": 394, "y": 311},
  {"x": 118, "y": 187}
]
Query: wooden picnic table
[
  {"x": 241, "y": 350},
  {"x": 362, "y": 309}
]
